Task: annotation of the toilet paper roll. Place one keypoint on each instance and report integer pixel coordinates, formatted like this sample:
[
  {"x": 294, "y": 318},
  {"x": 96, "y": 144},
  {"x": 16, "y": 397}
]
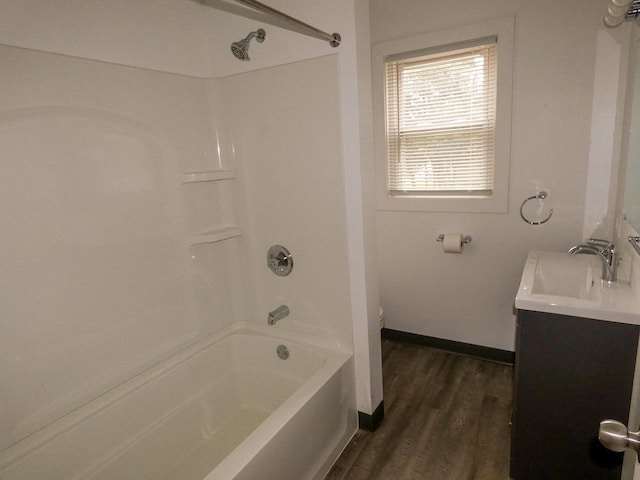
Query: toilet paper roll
[{"x": 452, "y": 243}]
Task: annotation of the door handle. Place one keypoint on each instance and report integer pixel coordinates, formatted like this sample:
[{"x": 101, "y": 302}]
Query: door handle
[{"x": 615, "y": 436}]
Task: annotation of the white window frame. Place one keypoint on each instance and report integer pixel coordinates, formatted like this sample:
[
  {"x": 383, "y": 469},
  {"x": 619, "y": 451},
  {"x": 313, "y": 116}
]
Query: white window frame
[{"x": 503, "y": 29}]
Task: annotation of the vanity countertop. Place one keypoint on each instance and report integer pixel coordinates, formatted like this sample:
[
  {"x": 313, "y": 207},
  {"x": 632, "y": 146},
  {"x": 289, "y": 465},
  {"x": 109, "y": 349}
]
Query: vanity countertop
[{"x": 557, "y": 282}]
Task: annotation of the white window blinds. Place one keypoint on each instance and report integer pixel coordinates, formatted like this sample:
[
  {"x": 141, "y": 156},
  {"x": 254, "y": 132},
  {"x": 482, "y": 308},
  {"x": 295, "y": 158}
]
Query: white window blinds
[{"x": 441, "y": 108}]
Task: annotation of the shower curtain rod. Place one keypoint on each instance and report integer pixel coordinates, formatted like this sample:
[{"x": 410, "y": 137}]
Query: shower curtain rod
[
  {"x": 333, "y": 39},
  {"x": 634, "y": 10},
  {"x": 620, "y": 10}
]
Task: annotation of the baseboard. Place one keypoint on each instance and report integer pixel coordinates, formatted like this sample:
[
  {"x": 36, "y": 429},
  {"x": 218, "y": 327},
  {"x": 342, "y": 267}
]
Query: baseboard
[
  {"x": 373, "y": 421},
  {"x": 477, "y": 351}
]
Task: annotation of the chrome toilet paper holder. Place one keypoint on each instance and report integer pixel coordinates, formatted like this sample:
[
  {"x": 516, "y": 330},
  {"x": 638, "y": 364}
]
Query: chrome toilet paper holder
[{"x": 465, "y": 239}]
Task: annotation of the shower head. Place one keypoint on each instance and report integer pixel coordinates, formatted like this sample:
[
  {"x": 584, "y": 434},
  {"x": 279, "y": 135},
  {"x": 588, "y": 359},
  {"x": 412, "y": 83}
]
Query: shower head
[{"x": 241, "y": 49}]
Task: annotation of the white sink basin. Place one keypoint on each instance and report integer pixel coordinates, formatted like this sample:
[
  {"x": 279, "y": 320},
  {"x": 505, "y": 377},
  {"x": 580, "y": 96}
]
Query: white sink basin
[
  {"x": 565, "y": 275},
  {"x": 556, "y": 282}
]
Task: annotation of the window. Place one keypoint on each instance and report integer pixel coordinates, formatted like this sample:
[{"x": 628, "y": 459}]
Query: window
[
  {"x": 441, "y": 121},
  {"x": 442, "y": 118}
]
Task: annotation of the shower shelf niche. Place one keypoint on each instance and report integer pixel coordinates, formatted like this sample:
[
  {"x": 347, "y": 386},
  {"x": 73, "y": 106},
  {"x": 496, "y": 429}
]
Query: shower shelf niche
[
  {"x": 216, "y": 234},
  {"x": 210, "y": 176}
]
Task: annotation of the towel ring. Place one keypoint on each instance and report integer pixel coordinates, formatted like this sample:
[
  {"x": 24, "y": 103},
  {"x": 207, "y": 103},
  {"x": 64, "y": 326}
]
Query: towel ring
[{"x": 539, "y": 196}]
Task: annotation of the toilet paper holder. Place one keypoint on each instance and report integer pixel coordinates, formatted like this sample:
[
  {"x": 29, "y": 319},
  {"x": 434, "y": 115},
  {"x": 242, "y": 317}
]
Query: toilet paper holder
[{"x": 465, "y": 239}]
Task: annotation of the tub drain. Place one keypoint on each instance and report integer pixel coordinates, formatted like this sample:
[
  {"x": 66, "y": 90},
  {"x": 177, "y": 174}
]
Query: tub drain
[{"x": 283, "y": 352}]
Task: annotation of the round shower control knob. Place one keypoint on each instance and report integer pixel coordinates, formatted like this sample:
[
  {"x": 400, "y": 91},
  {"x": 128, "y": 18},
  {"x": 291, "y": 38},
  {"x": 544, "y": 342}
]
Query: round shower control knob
[{"x": 279, "y": 260}]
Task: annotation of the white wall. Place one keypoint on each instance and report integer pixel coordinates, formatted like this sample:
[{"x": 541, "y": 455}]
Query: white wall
[
  {"x": 557, "y": 83},
  {"x": 179, "y": 36},
  {"x": 362, "y": 221},
  {"x": 164, "y": 35}
]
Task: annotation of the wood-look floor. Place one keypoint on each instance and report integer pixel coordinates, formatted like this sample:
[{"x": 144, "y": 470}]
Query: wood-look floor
[{"x": 446, "y": 418}]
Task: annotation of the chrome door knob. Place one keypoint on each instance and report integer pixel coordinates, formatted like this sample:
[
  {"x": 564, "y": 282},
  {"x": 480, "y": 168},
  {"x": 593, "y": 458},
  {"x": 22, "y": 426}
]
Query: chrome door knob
[{"x": 615, "y": 436}]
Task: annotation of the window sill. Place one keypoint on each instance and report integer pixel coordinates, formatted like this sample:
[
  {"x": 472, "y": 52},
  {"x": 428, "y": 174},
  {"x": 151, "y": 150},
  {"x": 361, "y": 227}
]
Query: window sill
[{"x": 495, "y": 204}]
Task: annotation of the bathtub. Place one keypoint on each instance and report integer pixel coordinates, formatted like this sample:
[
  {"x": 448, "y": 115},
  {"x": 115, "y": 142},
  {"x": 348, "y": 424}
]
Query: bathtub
[{"x": 228, "y": 407}]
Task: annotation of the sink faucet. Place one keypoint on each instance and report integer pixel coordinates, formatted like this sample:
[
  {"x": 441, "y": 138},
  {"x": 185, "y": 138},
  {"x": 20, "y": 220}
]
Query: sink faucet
[
  {"x": 278, "y": 314},
  {"x": 606, "y": 251}
]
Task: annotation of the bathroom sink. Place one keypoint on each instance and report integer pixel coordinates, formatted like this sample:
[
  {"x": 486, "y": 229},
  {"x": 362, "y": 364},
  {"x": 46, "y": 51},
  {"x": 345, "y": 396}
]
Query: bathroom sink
[
  {"x": 557, "y": 282},
  {"x": 564, "y": 275}
]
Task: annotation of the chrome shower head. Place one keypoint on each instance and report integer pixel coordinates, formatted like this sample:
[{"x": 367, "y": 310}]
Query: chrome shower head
[{"x": 241, "y": 49}]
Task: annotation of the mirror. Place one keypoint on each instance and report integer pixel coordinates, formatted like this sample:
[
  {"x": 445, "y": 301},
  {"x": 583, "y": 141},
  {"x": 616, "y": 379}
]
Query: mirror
[{"x": 631, "y": 202}]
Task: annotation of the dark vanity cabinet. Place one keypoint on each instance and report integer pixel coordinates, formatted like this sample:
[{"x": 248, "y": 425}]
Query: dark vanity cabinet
[{"x": 570, "y": 374}]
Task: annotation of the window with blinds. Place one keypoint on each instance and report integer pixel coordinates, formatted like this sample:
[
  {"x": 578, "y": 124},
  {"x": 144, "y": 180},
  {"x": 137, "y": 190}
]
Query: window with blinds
[{"x": 441, "y": 119}]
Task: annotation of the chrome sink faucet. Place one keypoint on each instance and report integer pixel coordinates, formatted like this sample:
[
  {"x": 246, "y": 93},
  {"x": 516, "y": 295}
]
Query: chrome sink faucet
[
  {"x": 606, "y": 251},
  {"x": 278, "y": 314}
]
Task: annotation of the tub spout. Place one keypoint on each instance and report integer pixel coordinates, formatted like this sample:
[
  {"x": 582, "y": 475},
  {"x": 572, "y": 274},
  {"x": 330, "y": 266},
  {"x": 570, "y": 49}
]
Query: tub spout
[{"x": 278, "y": 314}]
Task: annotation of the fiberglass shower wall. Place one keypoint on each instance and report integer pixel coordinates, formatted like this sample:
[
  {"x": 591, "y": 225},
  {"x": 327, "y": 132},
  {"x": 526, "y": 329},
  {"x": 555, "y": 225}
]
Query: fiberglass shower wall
[
  {"x": 118, "y": 245},
  {"x": 137, "y": 210},
  {"x": 287, "y": 141}
]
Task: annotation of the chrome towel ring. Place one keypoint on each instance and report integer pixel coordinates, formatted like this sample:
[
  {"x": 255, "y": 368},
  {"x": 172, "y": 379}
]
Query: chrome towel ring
[{"x": 539, "y": 196}]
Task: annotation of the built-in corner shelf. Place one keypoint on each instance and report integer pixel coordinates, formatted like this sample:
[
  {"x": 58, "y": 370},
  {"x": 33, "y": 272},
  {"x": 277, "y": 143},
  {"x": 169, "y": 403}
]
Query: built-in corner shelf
[
  {"x": 211, "y": 176},
  {"x": 216, "y": 234}
]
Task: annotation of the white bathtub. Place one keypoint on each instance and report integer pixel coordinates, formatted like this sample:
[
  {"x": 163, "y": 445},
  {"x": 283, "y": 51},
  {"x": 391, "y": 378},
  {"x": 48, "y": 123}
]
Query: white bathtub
[{"x": 226, "y": 408}]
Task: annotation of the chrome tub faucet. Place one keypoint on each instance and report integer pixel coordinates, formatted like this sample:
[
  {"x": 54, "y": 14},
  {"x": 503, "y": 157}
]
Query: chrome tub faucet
[{"x": 278, "y": 314}]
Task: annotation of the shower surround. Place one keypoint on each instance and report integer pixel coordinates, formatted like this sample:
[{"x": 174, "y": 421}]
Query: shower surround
[{"x": 138, "y": 207}]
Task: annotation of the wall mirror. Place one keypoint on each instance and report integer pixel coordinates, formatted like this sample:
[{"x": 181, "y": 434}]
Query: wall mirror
[{"x": 631, "y": 201}]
